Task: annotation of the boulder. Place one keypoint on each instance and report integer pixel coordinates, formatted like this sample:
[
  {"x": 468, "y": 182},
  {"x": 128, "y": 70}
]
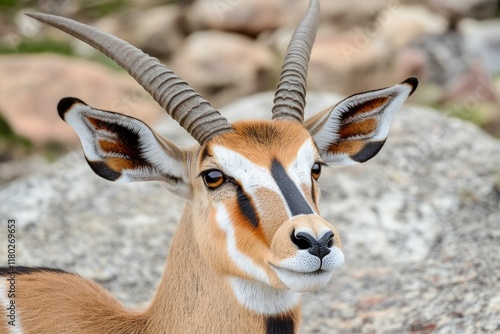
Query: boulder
[
  {"x": 223, "y": 66},
  {"x": 32, "y": 85},
  {"x": 354, "y": 59},
  {"x": 247, "y": 17},
  {"x": 419, "y": 224},
  {"x": 157, "y": 30},
  {"x": 455, "y": 10}
]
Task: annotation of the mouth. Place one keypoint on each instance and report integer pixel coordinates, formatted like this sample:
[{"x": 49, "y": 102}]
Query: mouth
[
  {"x": 316, "y": 272},
  {"x": 303, "y": 281}
]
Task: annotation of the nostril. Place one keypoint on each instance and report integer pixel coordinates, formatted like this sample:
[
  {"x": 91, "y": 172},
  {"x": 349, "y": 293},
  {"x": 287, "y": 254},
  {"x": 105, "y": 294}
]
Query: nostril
[
  {"x": 329, "y": 244},
  {"x": 327, "y": 239},
  {"x": 301, "y": 241}
]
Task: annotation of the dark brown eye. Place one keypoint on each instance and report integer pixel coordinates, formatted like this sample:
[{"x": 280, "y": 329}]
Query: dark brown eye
[
  {"x": 213, "y": 179},
  {"x": 316, "y": 171}
]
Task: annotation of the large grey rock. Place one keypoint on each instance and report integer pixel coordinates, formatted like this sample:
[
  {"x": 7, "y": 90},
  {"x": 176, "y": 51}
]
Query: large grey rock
[{"x": 420, "y": 225}]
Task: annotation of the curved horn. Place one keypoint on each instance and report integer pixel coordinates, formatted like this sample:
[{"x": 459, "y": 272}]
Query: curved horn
[
  {"x": 180, "y": 101},
  {"x": 290, "y": 97}
]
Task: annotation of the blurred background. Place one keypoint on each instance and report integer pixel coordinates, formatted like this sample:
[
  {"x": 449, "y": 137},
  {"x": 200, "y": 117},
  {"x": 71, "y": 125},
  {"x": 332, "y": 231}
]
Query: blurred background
[{"x": 227, "y": 49}]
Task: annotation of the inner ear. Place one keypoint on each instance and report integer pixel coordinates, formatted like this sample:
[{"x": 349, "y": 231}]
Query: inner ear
[
  {"x": 122, "y": 148},
  {"x": 355, "y": 129}
]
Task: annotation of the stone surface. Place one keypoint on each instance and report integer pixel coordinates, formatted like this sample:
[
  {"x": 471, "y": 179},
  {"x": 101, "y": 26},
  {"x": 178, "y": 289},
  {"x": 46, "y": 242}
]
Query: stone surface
[
  {"x": 223, "y": 66},
  {"x": 458, "y": 9},
  {"x": 157, "y": 30},
  {"x": 354, "y": 59},
  {"x": 247, "y": 17},
  {"x": 32, "y": 85},
  {"x": 420, "y": 226}
]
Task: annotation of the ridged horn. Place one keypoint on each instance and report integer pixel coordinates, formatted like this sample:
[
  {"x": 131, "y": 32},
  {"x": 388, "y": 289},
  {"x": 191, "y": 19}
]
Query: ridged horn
[
  {"x": 290, "y": 97},
  {"x": 181, "y": 102}
]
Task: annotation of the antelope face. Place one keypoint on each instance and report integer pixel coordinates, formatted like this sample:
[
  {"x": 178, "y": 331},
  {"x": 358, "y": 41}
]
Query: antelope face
[
  {"x": 253, "y": 189},
  {"x": 261, "y": 182},
  {"x": 252, "y": 186}
]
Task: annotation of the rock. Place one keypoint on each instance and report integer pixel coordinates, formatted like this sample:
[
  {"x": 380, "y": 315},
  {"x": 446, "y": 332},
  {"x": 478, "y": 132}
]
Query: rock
[
  {"x": 157, "y": 31},
  {"x": 356, "y": 59},
  {"x": 454, "y": 63},
  {"x": 349, "y": 61},
  {"x": 456, "y": 10},
  {"x": 32, "y": 85},
  {"x": 419, "y": 224},
  {"x": 223, "y": 66},
  {"x": 348, "y": 14},
  {"x": 247, "y": 17},
  {"x": 483, "y": 39},
  {"x": 254, "y": 17},
  {"x": 406, "y": 23}
]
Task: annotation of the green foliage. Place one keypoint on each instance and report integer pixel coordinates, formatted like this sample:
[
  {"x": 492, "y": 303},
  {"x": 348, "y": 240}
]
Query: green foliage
[
  {"x": 36, "y": 46},
  {"x": 7, "y": 3},
  {"x": 11, "y": 144},
  {"x": 103, "y": 8}
]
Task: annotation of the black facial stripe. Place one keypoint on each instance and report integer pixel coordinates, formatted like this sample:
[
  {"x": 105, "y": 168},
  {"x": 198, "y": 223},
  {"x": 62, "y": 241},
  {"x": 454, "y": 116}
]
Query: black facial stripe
[
  {"x": 296, "y": 202},
  {"x": 280, "y": 324},
  {"x": 313, "y": 193},
  {"x": 246, "y": 207}
]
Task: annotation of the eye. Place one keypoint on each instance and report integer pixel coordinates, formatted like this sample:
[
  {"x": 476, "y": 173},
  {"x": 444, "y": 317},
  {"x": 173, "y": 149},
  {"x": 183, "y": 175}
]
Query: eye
[
  {"x": 213, "y": 179},
  {"x": 316, "y": 171}
]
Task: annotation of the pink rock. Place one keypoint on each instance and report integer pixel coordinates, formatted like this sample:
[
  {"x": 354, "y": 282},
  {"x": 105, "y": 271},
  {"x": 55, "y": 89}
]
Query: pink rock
[{"x": 32, "y": 85}]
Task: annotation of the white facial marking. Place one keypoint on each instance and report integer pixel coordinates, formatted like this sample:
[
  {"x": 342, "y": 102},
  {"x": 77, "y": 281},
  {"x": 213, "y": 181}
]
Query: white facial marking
[
  {"x": 305, "y": 272},
  {"x": 250, "y": 175},
  {"x": 242, "y": 261},
  {"x": 5, "y": 303},
  {"x": 262, "y": 298},
  {"x": 300, "y": 169}
]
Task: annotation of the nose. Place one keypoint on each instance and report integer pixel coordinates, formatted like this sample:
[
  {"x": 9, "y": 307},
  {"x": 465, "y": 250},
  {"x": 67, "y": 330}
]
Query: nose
[{"x": 319, "y": 248}]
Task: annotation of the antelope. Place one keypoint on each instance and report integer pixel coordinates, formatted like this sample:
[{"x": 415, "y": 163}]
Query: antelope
[{"x": 251, "y": 239}]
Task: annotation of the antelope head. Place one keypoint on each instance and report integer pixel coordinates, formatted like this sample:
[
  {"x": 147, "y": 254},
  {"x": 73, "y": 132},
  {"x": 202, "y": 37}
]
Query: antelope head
[{"x": 252, "y": 187}]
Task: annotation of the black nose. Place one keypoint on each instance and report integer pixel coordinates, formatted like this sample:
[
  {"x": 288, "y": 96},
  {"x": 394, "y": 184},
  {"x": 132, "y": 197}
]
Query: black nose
[{"x": 319, "y": 248}]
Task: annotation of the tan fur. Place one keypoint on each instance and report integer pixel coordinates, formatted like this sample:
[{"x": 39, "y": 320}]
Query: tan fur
[
  {"x": 49, "y": 302},
  {"x": 272, "y": 203},
  {"x": 363, "y": 128},
  {"x": 276, "y": 139},
  {"x": 349, "y": 147}
]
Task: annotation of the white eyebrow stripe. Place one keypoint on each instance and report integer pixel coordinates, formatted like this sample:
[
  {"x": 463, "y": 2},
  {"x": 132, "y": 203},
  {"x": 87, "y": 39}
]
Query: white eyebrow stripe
[
  {"x": 299, "y": 170},
  {"x": 250, "y": 175}
]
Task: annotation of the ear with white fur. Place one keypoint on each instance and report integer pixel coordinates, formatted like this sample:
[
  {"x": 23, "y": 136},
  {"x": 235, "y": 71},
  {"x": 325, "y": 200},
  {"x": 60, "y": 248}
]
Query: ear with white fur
[
  {"x": 355, "y": 130},
  {"x": 124, "y": 149}
]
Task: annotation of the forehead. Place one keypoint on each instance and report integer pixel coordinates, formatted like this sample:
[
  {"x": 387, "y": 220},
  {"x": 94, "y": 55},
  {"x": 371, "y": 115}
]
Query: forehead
[{"x": 263, "y": 142}]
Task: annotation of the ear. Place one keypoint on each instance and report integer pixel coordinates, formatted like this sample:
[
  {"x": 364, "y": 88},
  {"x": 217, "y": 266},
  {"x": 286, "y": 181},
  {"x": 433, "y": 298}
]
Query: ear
[
  {"x": 124, "y": 149},
  {"x": 355, "y": 130}
]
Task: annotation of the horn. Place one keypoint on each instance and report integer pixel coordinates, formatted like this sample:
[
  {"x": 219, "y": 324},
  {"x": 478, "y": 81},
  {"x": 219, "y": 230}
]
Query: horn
[
  {"x": 181, "y": 102},
  {"x": 290, "y": 97}
]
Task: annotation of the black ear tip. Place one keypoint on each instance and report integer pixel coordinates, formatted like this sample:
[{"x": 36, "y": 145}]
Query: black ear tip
[
  {"x": 412, "y": 82},
  {"x": 66, "y": 103}
]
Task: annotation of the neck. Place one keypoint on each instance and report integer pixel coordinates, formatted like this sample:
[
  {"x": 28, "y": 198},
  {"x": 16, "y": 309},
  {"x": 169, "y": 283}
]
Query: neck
[{"x": 193, "y": 298}]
